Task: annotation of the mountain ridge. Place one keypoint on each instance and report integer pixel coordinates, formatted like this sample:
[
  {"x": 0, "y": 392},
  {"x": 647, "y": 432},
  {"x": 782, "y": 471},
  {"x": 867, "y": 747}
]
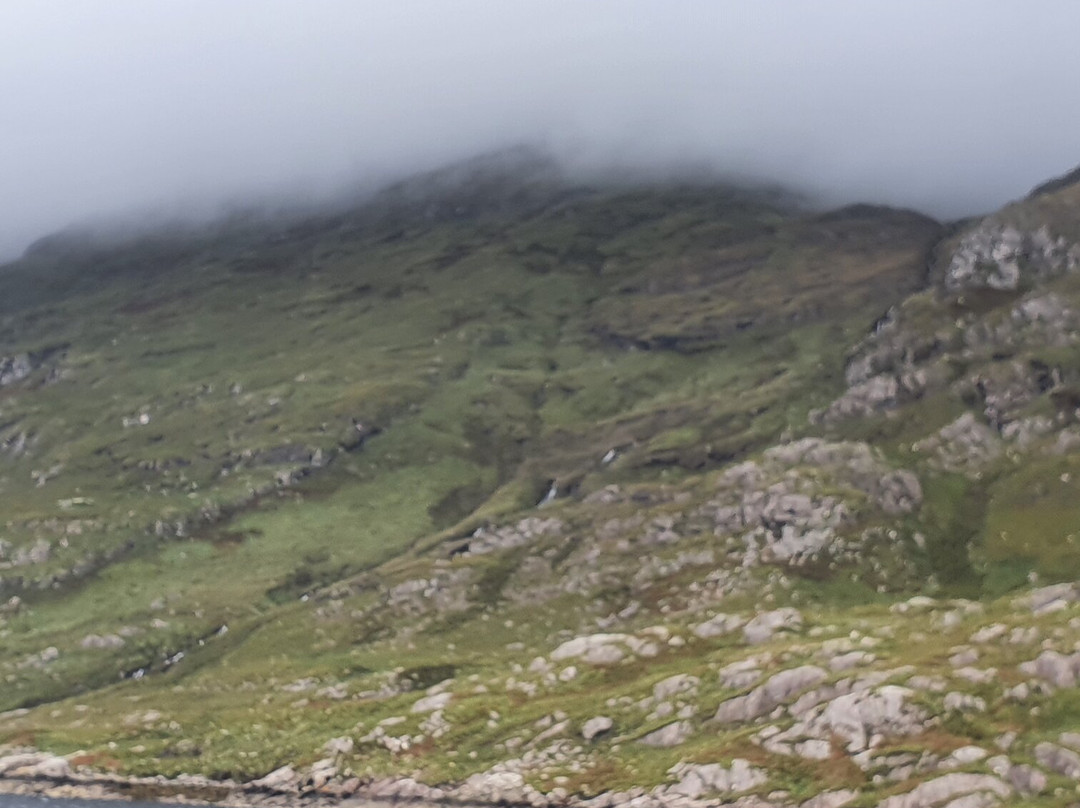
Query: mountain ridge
[{"x": 543, "y": 493}]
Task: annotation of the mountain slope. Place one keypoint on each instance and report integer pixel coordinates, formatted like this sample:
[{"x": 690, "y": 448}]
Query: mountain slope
[{"x": 633, "y": 482}]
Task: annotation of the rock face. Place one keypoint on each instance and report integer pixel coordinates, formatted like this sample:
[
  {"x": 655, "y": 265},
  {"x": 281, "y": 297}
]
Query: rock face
[
  {"x": 595, "y": 727},
  {"x": 859, "y": 720},
  {"x": 1049, "y": 599},
  {"x": 694, "y": 780},
  {"x": 604, "y": 649},
  {"x": 997, "y": 256},
  {"x": 285, "y": 778},
  {"x": 777, "y": 690},
  {"x": 436, "y": 701},
  {"x": 864, "y": 719},
  {"x": 1058, "y": 759},
  {"x": 719, "y": 626},
  {"x": 669, "y": 735},
  {"x": 965, "y": 445},
  {"x": 762, "y": 627},
  {"x": 14, "y": 369},
  {"x": 34, "y": 764},
  {"x": 949, "y": 787},
  {"x": 525, "y": 532},
  {"x": 1055, "y": 668}
]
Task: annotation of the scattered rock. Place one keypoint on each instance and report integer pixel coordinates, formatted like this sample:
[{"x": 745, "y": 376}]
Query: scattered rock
[
  {"x": 339, "y": 746},
  {"x": 697, "y": 779},
  {"x": 1054, "y": 668},
  {"x": 762, "y": 627},
  {"x": 958, "y": 702},
  {"x": 595, "y": 727},
  {"x": 966, "y": 445},
  {"x": 669, "y": 735},
  {"x": 108, "y": 641},
  {"x": 681, "y": 684},
  {"x": 950, "y": 786},
  {"x": 431, "y": 703},
  {"x": 1058, "y": 759},
  {"x": 718, "y": 626},
  {"x": 1053, "y": 598},
  {"x": 777, "y": 690},
  {"x": 283, "y": 779},
  {"x": 863, "y": 719}
]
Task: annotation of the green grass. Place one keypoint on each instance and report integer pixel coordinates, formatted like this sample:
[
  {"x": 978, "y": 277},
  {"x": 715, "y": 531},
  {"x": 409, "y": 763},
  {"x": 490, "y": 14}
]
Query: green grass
[{"x": 448, "y": 372}]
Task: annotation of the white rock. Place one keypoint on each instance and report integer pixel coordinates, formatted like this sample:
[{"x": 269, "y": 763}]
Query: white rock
[
  {"x": 595, "y": 649},
  {"x": 95, "y": 641},
  {"x": 989, "y": 633},
  {"x": 342, "y": 745},
  {"x": 20, "y": 760},
  {"x": 1071, "y": 739},
  {"x": 698, "y": 779},
  {"x": 681, "y": 684},
  {"x": 493, "y": 786},
  {"x": 860, "y": 717},
  {"x": 741, "y": 674},
  {"x": 966, "y": 755},
  {"x": 50, "y": 766},
  {"x": 830, "y": 799},
  {"x": 718, "y": 626},
  {"x": 1027, "y": 779},
  {"x": 850, "y": 660},
  {"x": 761, "y": 628},
  {"x": 778, "y": 689},
  {"x": 429, "y": 704},
  {"x": 1058, "y": 759},
  {"x": 669, "y": 735},
  {"x": 955, "y": 701},
  {"x": 1055, "y": 668},
  {"x": 595, "y": 727},
  {"x": 937, "y": 791},
  {"x": 1052, "y": 598},
  {"x": 283, "y": 779}
]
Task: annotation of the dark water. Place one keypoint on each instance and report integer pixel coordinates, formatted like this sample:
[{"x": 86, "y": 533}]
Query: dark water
[{"x": 18, "y": 801}]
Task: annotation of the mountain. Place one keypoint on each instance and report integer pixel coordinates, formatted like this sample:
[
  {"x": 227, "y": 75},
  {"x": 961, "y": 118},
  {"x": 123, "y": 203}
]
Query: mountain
[{"x": 497, "y": 486}]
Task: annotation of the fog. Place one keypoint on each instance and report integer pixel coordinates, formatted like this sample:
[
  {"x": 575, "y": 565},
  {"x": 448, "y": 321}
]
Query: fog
[{"x": 127, "y": 107}]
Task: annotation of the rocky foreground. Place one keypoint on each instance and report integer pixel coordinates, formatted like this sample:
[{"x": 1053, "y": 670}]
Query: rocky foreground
[{"x": 914, "y": 736}]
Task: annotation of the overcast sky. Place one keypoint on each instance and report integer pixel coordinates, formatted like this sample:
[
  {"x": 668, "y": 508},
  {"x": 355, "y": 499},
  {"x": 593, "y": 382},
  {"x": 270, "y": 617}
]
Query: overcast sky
[{"x": 119, "y": 106}]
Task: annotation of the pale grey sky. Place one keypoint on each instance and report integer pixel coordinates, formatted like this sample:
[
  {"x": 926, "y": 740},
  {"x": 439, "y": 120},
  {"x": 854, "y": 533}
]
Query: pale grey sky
[{"x": 112, "y": 107}]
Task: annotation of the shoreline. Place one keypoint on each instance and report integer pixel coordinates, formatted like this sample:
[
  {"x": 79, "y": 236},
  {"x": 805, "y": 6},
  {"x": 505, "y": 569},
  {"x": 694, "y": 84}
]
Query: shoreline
[{"x": 198, "y": 790}]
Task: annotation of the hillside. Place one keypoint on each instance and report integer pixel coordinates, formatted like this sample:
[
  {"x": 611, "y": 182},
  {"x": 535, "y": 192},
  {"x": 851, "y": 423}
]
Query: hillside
[{"x": 501, "y": 487}]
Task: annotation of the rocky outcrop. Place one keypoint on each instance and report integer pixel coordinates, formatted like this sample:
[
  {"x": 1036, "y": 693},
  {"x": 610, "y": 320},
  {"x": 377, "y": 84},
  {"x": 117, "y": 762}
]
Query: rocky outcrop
[
  {"x": 596, "y": 726},
  {"x": 998, "y": 256},
  {"x": 668, "y": 735},
  {"x": 965, "y": 445},
  {"x": 860, "y": 720},
  {"x": 764, "y": 625},
  {"x": 779, "y": 689},
  {"x": 948, "y": 788},
  {"x": 1065, "y": 762},
  {"x": 1054, "y": 668},
  {"x": 14, "y": 369},
  {"x": 604, "y": 649},
  {"x": 525, "y": 532},
  {"x": 694, "y": 780},
  {"x": 780, "y": 510}
]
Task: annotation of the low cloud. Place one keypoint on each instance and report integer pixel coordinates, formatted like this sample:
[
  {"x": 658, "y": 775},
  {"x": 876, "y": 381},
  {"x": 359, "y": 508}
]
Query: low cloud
[{"x": 121, "y": 106}]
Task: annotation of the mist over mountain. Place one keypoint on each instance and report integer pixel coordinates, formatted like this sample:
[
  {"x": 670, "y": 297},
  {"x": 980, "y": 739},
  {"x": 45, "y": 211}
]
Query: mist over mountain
[
  {"x": 511, "y": 407},
  {"x": 129, "y": 109}
]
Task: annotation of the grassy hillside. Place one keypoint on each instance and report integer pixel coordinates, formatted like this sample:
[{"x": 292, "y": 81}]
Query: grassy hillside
[{"x": 263, "y": 483}]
